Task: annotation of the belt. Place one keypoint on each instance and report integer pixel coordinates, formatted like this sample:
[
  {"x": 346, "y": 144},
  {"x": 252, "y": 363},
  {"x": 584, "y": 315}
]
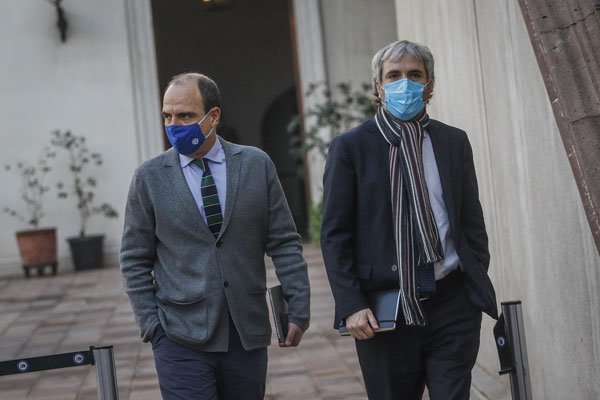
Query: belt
[{"x": 449, "y": 281}]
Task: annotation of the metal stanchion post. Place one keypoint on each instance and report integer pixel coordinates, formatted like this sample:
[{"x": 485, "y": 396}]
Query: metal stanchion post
[
  {"x": 105, "y": 373},
  {"x": 509, "y": 332},
  {"x": 102, "y": 357}
]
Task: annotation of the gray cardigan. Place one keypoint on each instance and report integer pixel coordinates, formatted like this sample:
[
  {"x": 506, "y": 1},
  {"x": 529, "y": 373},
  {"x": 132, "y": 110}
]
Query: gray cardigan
[{"x": 178, "y": 275}]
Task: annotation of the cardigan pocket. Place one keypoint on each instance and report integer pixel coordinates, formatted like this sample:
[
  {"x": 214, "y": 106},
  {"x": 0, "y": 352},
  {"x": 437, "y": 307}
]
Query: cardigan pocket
[
  {"x": 256, "y": 313},
  {"x": 184, "y": 317}
]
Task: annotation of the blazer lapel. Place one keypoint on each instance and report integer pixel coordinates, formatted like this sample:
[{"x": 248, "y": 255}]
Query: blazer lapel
[
  {"x": 441, "y": 149},
  {"x": 382, "y": 149},
  {"x": 174, "y": 175},
  {"x": 233, "y": 167}
]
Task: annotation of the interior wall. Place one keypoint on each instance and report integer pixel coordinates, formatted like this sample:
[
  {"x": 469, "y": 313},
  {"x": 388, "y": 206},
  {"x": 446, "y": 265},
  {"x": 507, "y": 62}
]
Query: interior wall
[
  {"x": 83, "y": 85},
  {"x": 488, "y": 83}
]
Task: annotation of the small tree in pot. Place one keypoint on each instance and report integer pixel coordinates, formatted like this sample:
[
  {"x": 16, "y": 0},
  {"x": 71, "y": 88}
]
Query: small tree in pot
[
  {"x": 86, "y": 250},
  {"x": 37, "y": 246}
]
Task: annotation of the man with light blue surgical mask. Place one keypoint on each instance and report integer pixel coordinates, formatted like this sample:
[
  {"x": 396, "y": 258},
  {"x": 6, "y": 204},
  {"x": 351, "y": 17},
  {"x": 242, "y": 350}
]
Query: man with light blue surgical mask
[
  {"x": 402, "y": 218},
  {"x": 199, "y": 220}
]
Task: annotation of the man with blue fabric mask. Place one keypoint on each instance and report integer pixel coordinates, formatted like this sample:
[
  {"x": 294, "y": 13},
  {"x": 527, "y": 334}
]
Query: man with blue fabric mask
[
  {"x": 402, "y": 215},
  {"x": 199, "y": 220}
]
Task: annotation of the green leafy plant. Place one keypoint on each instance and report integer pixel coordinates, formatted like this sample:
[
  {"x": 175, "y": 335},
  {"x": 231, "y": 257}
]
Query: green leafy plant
[
  {"x": 331, "y": 113},
  {"x": 83, "y": 184},
  {"x": 33, "y": 188},
  {"x": 334, "y": 112},
  {"x": 315, "y": 218}
]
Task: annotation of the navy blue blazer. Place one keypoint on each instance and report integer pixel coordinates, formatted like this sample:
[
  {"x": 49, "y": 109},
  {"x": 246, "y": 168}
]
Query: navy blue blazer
[{"x": 357, "y": 236}]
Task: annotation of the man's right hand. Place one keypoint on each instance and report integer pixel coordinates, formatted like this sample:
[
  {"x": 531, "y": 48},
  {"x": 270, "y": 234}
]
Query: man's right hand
[{"x": 362, "y": 324}]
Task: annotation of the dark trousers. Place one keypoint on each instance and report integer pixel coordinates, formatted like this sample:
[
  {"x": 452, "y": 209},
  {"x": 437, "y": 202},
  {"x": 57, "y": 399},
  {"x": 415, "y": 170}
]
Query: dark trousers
[
  {"x": 398, "y": 364},
  {"x": 188, "y": 374}
]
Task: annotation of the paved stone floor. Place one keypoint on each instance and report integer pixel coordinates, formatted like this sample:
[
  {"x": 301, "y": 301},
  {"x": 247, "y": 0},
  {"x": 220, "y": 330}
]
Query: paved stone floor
[{"x": 71, "y": 311}]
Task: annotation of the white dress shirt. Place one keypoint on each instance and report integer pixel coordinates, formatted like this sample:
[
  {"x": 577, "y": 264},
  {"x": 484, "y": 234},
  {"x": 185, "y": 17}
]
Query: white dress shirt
[{"x": 438, "y": 206}]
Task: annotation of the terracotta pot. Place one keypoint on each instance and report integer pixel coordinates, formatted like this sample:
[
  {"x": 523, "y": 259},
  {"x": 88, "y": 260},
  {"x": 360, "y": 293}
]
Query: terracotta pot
[{"x": 37, "y": 247}]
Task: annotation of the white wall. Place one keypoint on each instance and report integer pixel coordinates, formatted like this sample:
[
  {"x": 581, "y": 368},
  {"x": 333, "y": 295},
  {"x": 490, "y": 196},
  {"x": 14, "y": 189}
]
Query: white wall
[
  {"x": 84, "y": 85},
  {"x": 353, "y": 30},
  {"x": 488, "y": 83},
  {"x": 336, "y": 42}
]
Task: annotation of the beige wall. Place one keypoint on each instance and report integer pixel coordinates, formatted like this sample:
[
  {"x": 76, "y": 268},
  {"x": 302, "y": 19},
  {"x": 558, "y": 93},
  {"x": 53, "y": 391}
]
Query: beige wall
[
  {"x": 353, "y": 30},
  {"x": 336, "y": 41},
  {"x": 87, "y": 85},
  {"x": 488, "y": 83}
]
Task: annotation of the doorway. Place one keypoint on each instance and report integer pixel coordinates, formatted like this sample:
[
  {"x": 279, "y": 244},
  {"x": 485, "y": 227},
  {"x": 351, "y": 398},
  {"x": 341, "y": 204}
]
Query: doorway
[{"x": 246, "y": 47}]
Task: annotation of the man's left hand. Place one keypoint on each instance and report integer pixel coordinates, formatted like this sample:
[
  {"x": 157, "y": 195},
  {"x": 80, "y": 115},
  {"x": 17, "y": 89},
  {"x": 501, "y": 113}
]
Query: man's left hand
[{"x": 293, "y": 337}]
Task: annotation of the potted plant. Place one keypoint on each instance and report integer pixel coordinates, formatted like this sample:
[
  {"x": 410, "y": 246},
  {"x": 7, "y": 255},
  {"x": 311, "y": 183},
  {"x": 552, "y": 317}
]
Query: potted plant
[
  {"x": 331, "y": 113},
  {"x": 86, "y": 250},
  {"x": 37, "y": 246}
]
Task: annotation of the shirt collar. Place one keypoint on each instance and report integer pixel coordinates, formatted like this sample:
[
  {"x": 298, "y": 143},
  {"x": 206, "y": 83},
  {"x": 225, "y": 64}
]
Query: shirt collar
[{"x": 215, "y": 154}]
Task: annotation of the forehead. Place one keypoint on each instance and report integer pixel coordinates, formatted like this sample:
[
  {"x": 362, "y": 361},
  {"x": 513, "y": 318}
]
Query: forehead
[
  {"x": 184, "y": 94},
  {"x": 404, "y": 64}
]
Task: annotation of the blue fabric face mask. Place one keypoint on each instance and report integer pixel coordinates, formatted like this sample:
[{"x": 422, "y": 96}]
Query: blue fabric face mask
[
  {"x": 404, "y": 98},
  {"x": 187, "y": 139}
]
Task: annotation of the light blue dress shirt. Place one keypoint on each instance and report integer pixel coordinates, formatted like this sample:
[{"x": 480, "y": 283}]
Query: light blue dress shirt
[
  {"x": 193, "y": 175},
  {"x": 438, "y": 206}
]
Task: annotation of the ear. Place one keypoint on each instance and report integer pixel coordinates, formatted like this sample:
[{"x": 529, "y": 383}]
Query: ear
[
  {"x": 428, "y": 92},
  {"x": 215, "y": 116}
]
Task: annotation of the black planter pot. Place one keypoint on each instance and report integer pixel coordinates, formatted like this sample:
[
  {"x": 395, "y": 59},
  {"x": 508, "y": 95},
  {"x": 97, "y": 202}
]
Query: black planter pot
[{"x": 87, "y": 251}]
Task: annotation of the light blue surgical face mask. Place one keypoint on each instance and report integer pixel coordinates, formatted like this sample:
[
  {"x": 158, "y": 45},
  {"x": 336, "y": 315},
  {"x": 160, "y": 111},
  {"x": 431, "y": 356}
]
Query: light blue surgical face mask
[
  {"x": 187, "y": 139},
  {"x": 404, "y": 98}
]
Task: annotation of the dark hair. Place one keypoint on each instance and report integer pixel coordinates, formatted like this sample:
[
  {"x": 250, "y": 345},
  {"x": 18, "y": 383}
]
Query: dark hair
[{"x": 207, "y": 87}]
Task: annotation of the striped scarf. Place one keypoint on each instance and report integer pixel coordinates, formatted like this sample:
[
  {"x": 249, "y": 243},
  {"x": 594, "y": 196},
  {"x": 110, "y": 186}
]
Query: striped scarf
[{"x": 415, "y": 230}]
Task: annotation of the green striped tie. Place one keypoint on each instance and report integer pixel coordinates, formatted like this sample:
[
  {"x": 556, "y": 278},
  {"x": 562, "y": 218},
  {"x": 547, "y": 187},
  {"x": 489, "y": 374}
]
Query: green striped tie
[{"x": 210, "y": 198}]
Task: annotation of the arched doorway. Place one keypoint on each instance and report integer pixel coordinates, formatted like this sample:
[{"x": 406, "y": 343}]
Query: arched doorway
[{"x": 276, "y": 142}]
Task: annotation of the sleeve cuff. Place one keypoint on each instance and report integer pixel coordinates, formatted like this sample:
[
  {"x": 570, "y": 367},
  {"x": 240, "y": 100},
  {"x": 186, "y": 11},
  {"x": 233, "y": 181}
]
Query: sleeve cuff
[
  {"x": 302, "y": 323},
  {"x": 148, "y": 333}
]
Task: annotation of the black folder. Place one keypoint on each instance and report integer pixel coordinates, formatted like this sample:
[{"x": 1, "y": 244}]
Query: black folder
[
  {"x": 384, "y": 305},
  {"x": 279, "y": 310}
]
